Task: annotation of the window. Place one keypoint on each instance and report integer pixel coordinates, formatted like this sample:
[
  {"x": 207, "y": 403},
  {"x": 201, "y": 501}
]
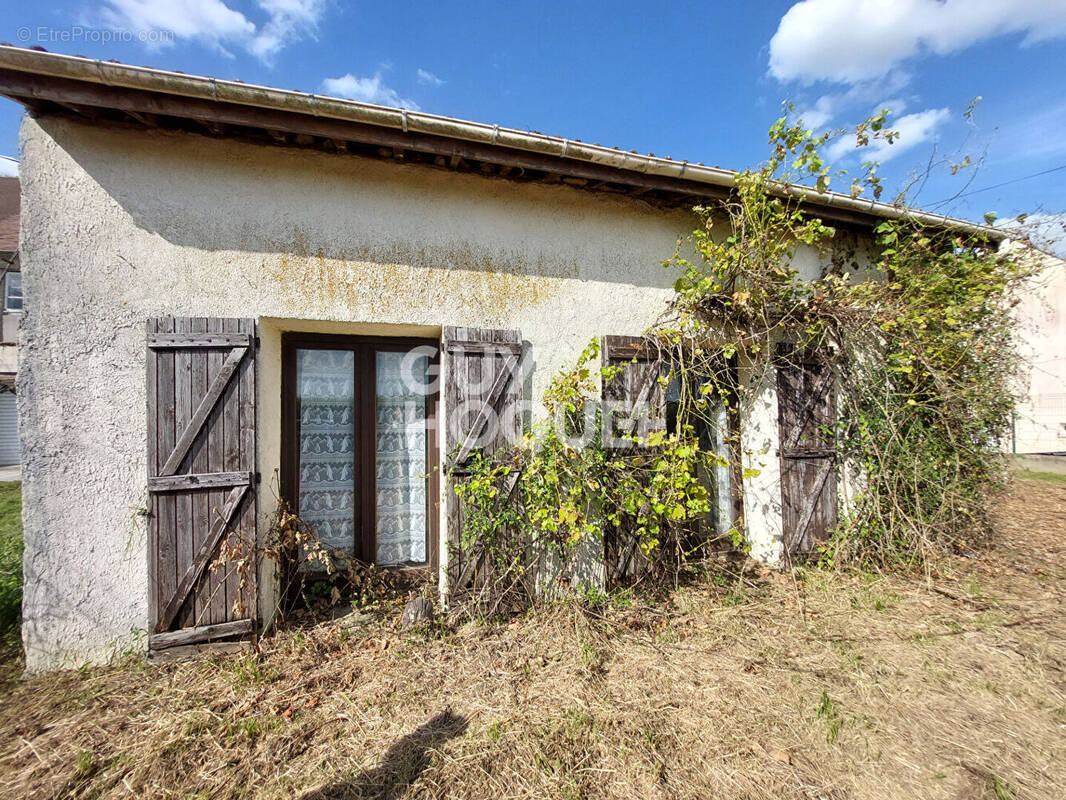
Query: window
[
  {"x": 359, "y": 451},
  {"x": 13, "y": 291},
  {"x": 715, "y": 425}
]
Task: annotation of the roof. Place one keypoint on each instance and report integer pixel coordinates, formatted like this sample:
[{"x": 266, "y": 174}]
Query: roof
[
  {"x": 9, "y": 214},
  {"x": 107, "y": 91}
]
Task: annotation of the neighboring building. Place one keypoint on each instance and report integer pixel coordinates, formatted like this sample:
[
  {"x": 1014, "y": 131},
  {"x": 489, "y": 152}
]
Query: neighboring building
[
  {"x": 1040, "y": 419},
  {"x": 10, "y": 317},
  {"x": 239, "y": 290}
]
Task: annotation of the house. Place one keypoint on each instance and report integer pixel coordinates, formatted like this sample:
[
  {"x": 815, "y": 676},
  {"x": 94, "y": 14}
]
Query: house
[
  {"x": 1039, "y": 429},
  {"x": 10, "y": 317},
  {"x": 241, "y": 293}
]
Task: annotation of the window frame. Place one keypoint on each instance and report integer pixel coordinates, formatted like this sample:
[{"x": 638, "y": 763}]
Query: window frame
[
  {"x": 365, "y": 503},
  {"x": 7, "y": 292},
  {"x": 728, "y": 388}
]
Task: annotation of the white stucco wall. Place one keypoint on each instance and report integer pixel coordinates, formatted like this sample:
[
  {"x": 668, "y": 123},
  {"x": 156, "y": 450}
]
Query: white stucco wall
[
  {"x": 1040, "y": 418},
  {"x": 121, "y": 226},
  {"x": 761, "y": 461}
]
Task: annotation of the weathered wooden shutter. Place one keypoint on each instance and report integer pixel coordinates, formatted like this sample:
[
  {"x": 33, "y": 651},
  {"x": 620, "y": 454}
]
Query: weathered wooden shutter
[
  {"x": 483, "y": 400},
  {"x": 635, "y": 397},
  {"x": 634, "y": 404},
  {"x": 808, "y": 457},
  {"x": 201, "y": 386}
]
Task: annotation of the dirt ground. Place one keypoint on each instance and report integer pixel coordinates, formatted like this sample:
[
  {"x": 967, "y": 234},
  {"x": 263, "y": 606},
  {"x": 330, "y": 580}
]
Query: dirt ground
[{"x": 822, "y": 686}]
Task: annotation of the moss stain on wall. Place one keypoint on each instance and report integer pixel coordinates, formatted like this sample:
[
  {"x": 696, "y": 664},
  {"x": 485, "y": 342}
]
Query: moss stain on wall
[{"x": 385, "y": 290}]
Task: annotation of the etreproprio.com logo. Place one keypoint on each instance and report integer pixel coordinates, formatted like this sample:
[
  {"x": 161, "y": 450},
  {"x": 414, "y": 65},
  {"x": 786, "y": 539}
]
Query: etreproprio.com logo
[{"x": 77, "y": 33}]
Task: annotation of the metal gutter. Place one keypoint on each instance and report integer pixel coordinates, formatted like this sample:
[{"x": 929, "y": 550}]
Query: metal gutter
[{"x": 113, "y": 74}]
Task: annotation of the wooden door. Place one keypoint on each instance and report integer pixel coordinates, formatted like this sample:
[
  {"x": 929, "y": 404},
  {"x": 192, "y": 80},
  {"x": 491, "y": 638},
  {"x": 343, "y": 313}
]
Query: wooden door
[
  {"x": 808, "y": 458},
  {"x": 201, "y": 388},
  {"x": 483, "y": 400}
]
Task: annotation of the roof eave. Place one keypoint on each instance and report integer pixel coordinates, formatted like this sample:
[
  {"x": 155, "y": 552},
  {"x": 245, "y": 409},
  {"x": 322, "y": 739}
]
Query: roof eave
[{"x": 31, "y": 76}]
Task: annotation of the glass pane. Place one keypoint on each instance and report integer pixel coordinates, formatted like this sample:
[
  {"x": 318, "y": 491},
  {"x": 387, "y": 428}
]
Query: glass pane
[
  {"x": 723, "y": 471},
  {"x": 713, "y": 430},
  {"x": 401, "y": 457},
  {"x": 13, "y": 291},
  {"x": 325, "y": 397}
]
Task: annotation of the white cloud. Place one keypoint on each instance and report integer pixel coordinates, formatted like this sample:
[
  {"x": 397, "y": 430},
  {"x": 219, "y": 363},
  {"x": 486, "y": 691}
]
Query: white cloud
[
  {"x": 289, "y": 21},
  {"x": 913, "y": 129},
  {"x": 847, "y": 41},
  {"x": 1046, "y": 231},
  {"x": 9, "y": 167},
  {"x": 823, "y": 110},
  {"x": 367, "y": 90},
  {"x": 210, "y": 20},
  {"x": 1035, "y": 137},
  {"x": 427, "y": 78},
  {"x": 215, "y": 24}
]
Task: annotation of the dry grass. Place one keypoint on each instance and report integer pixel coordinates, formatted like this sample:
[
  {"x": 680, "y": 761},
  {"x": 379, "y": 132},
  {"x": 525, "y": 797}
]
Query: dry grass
[{"x": 830, "y": 687}]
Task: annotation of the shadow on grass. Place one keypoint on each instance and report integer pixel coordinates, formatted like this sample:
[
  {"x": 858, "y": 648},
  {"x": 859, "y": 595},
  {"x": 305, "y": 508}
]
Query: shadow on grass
[{"x": 401, "y": 764}]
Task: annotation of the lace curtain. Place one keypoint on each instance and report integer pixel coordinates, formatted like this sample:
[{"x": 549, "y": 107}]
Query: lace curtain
[
  {"x": 325, "y": 382},
  {"x": 401, "y": 458},
  {"x": 329, "y": 442}
]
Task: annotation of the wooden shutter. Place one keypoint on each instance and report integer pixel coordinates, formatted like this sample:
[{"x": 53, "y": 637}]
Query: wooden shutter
[
  {"x": 635, "y": 404},
  {"x": 201, "y": 388},
  {"x": 483, "y": 394},
  {"x": 808, "y": 457},
  {"x": 635, "y": 397}
]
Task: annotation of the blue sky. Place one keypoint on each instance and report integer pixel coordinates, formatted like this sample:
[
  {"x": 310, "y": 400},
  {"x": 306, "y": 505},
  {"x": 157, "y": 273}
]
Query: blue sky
[{"x": 697, "y": 81}]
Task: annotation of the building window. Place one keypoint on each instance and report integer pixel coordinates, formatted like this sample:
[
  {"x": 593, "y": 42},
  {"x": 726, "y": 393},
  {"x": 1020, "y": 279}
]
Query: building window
[
  {"x": 715, "y": 427},
  {"x": 360, "y": 448},
  {"x": 13, "y": 291}
]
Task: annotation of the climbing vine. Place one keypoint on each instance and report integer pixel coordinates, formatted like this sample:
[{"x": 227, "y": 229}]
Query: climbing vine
[{"x": 923, "y": 362}]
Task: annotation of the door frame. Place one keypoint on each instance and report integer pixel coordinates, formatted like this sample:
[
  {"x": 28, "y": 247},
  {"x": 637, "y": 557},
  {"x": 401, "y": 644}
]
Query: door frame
[{"x": 365, "y": 418}]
